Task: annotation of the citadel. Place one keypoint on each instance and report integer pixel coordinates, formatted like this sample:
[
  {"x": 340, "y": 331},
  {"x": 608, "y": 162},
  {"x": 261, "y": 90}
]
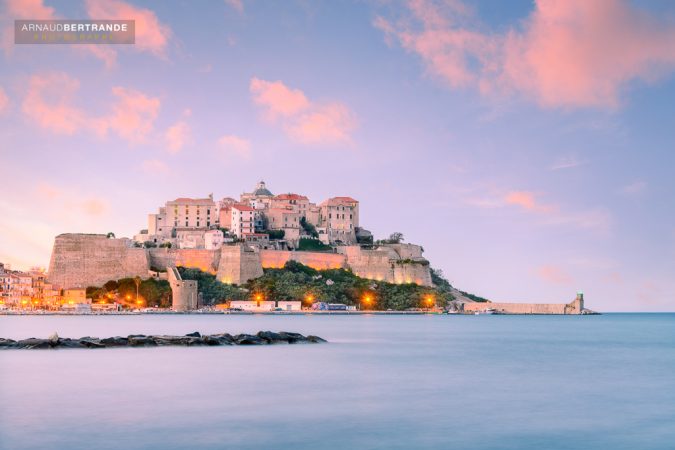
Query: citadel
[{"x": 236, "y": 240}]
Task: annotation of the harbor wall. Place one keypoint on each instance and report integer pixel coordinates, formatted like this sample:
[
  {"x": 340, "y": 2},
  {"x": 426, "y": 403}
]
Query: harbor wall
[{"x": 574, "y": 307}]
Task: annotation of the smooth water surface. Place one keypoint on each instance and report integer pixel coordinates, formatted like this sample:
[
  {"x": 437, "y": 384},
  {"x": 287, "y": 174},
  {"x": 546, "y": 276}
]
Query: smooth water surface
[{"x": 394, "y": 382}]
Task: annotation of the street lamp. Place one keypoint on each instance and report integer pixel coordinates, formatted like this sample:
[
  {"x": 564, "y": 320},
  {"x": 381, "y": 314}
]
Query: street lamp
[{"x": 367, "y": 300}]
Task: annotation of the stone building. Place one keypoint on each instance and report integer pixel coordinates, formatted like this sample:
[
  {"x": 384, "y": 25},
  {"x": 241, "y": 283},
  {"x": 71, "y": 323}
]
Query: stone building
[
  {"x": 287, "y": 220},
  {"x": 297, "y": 203},
  {"x": 242, "y": 221},
  {"x": 184, "y": 213},
  {"x": 338, "y": 219}
]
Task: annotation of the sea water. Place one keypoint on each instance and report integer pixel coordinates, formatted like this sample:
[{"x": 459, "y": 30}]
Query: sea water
[{"x": 389, "y": 382}]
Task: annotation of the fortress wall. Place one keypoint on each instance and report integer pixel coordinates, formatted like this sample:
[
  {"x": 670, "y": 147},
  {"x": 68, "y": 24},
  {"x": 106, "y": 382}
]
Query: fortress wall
[
  {"x": 412, "y": 273},
  {"x": 238, "y": 265},
  {"x": 275, "y": 259},
  {"x": 407, "y": 251},
  {"x": 205, "y": 260},
  {"x": 385, "y": 264},
  {"x": 574, "y": 307},
  {"x": 81, "y": 260}
]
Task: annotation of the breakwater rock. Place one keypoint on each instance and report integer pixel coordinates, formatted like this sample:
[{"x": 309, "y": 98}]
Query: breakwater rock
[{"x": 141, "y": 340}]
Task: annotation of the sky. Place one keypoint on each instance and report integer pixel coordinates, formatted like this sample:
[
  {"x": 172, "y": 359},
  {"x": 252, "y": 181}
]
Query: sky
[{"x": 527, "y": 146}]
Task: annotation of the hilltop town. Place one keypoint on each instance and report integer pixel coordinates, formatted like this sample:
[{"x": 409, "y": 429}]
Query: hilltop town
[
  {"x": 236, "y": 243},
  {"x": 235, "y": 240}
]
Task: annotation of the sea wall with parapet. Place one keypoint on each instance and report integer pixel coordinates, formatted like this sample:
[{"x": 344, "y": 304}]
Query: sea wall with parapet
[{"x": 574, "y": 307}]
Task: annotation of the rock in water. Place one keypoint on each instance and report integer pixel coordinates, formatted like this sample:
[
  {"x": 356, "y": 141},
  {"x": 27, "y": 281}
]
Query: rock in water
[{"x": 141, "y": 340}]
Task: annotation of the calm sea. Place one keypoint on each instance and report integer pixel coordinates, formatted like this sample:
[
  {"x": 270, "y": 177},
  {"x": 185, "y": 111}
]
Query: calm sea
[{"x": 424, "y": 382}]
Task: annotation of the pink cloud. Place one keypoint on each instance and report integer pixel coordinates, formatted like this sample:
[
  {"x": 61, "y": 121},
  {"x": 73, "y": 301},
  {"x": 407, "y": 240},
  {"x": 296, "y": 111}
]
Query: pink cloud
[
  {"x": 325, "y": 124},
  {"x": 133, "y": 115},
  {"x": 151, "y": 35},
  {"x": 235, "y": 145},
  {"x": 49, "y": 101},
  {"x": 277, "y": 99},
  {"x": 553, "y": 274},
  {"x": 178, "y": 136},
  {"x": 303, "y": 121},
  {"x": 572, "y": 53},
  {"x": 526, "y": 200},
  {"x": 520, "y": 198},
  {"x": 4, "y": 101}
]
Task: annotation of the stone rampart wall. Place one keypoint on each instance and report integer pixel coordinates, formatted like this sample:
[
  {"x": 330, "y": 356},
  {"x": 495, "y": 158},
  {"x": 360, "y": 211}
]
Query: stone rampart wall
[
  {"x": 275, "y": 259},
  {"x": 238, "y": 265},
  {"x": 385, "y": 264},
  {"x": 205, "y": 260},
  {"x": 81, "y": 260}
]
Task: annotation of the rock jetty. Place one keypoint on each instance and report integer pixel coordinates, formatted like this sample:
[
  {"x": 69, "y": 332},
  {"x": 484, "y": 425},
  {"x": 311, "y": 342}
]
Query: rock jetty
[{"x": 141, "y": 340}]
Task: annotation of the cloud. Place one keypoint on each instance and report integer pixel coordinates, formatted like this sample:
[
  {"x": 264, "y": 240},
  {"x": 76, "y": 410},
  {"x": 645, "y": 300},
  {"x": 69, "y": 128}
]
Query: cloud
[
  {"x": 526, "y": 200},
  {"x": 237, "y": 5},
  {"x": 277, "y": 99},
  {"x": 567, "y": 162},
  {"x": 4, "y": 101},
  {"x": 151, "y": 35},
  {"x": 232, "y": 145},
  {"x": 326, "y": 124},
  {"x": 634, "y": 188},
  {"x": 305, "y": 122},
  {"x": 177, "y": 136},
  {"x": 572, "y": 53},
  {"x": 155, "y": 167},
  {"x": 133, "y": 114},
  {"x": 544, "y": 213},
  {"x": 554, "y": 275},
  {"x": 49, "y": 102}
]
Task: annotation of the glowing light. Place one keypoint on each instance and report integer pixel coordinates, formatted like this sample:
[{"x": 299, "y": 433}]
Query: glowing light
[{"x": 128, "y": 297}]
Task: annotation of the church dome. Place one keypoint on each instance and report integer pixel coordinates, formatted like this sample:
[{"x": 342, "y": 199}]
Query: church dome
[{"x": 261, "y": 190}]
